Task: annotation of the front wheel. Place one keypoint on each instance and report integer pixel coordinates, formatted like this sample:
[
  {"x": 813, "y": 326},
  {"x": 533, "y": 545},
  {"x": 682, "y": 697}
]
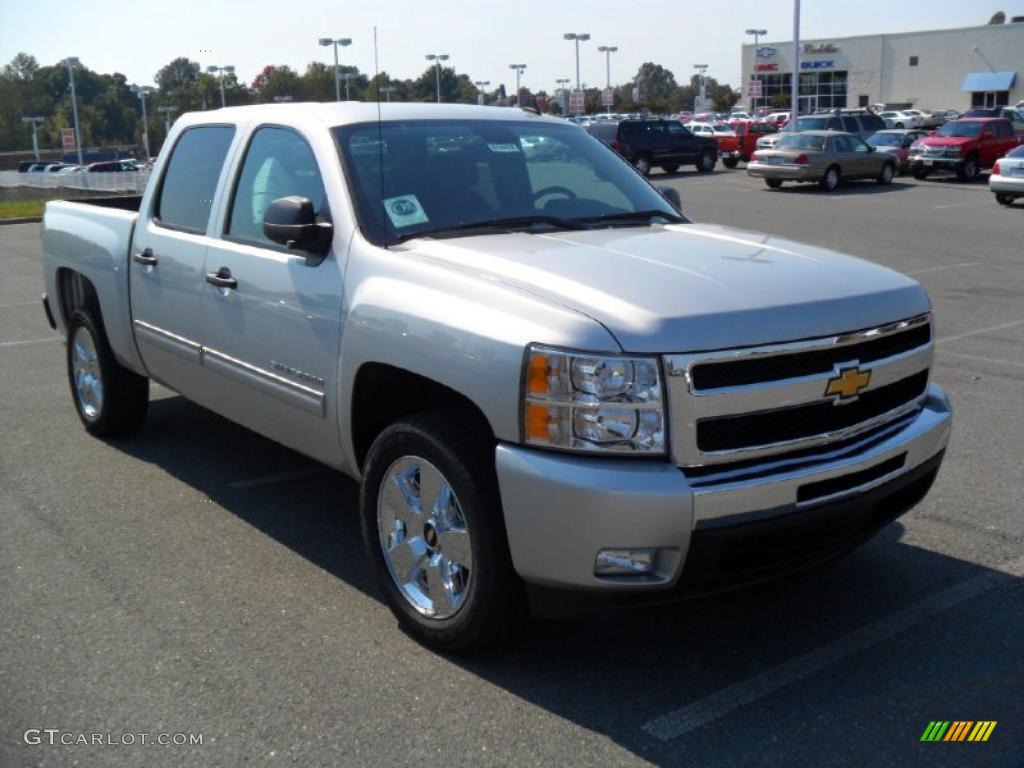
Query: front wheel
[
  {"x": 706, "y": 161},
  {"x": 969, "y": 170},
  {"x": 730, "y": 162},
  {"x": 109, "y": 398},
  {"x": 434, "y": 533},
  {"x": 887, "y": 174},
  {"x": 773, "y": 183},
  {"x": 643, "y": 164},
  {"x": 830, "y": 181}
]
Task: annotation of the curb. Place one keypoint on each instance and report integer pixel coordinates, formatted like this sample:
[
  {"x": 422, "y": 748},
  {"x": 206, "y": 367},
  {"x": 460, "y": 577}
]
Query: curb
[{"x": 21, "y": 220}]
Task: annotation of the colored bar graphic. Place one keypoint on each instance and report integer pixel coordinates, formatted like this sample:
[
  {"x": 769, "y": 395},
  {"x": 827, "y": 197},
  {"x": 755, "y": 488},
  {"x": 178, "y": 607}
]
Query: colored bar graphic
[
  {"x": 935, "y": 730},
  {"x": 958, "y": 730}
]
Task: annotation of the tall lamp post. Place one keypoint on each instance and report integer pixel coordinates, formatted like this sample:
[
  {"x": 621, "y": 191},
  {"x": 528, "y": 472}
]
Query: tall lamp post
[
  {"x": 141, "y": 91},
  {"x": 35, "y": 139},
  {"x": 168, "y": 111},
  {"x": 577, "y": 37},
  {"x": 71, "y": 62},
  {"x": 757, "y": 35},
  {"x": 480, "y": 90},
  {"x": 342, "y": 41},
  {"x": 519, "y": 72},
  {"x": 219, "y": 71},
  {"x": 438, "y": 58},
  {"x": 701, "y": 69},
  {"x": 562, "y": 83},
  {"x": 347, "y": 76},
  {"x": 388, "y": 89},
  {"x": 794, "y": 84},
  {"x": 608, "y": 50}
]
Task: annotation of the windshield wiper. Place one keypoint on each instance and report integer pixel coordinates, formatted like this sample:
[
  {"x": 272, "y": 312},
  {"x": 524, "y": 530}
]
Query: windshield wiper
[
  {"x": 505, "y": 223},
  {"x": 640, "y": 216}
]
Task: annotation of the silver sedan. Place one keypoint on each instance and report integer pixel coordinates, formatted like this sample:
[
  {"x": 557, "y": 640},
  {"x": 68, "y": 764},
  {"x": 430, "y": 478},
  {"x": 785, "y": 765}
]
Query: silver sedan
[
  {"x": 1007, "y": 179},
  {"x": 825, "y": 157}
]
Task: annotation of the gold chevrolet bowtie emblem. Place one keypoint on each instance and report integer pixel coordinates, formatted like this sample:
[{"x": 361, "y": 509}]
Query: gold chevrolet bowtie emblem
[{"x": 848, "y": 383}]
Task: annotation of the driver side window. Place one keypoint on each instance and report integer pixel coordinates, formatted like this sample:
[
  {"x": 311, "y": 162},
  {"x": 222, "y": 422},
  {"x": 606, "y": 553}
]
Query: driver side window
[
  {"x": 278, "y": 163},
  {"x": 857, "y": 145}
]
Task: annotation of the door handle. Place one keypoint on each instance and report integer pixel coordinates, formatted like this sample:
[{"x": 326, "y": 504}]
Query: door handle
[
  {"x": 221, "y": 278},
  {"x": 146, "y": 258}
]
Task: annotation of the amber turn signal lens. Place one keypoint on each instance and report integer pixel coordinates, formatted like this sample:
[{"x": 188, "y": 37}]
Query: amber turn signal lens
[
  {"x": 537, "y": 374},
  {"x": 536, "y": 421}
]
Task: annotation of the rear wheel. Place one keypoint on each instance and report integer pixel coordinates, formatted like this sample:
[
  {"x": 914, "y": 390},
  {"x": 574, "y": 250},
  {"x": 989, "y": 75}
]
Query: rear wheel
[
  {"x": 730, "y": 162},
  {"x": 109, "y": 398},
  {"x": 773, "y": 183},
  {"x": 920, "y": 173},
  {"x": 830, "y": 181},
  {"x": 1004, "y": 199},
  {"x": 670, "y": 168},
  {"x": 434, "y": 532},
  {"x": 968, "y": 171},
  {"x": 642, "y": 163},
  {"x": 887, "y": 174},
  {"x": 706, "y": 160},
  {"x": 898, "y": 125}
]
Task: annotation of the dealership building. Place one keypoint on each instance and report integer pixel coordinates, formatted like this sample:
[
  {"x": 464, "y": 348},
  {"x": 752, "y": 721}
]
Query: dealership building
[{"x": 936, "y": 69}]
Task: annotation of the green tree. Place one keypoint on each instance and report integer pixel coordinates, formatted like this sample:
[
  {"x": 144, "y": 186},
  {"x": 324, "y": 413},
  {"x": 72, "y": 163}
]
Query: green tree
[{"x": 275, "y": 81}]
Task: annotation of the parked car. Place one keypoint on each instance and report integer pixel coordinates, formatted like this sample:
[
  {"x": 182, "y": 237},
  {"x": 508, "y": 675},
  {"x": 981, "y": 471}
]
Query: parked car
[
  {"x": 860, "y": 123},
  {"x": 70, "y": 169},
  {"x": 825, "y": 157},
  {"x": 896, "y": 142},
  {"x": 933, "y": 118},
  {"x": 747, "y": 133},
  {"x": 963, "y": 147},
  {"x": 558, "y": 387},
  {"x": 113, "y": 166},
  {"x": 900, "y": 119},
  {"x": 1007, "y": 179},
  {"x": 27, "y": 165},
  {"x": 658, "y": 143}
]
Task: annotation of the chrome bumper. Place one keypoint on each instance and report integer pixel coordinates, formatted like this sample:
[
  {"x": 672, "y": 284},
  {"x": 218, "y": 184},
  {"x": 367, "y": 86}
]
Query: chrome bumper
[
  {"x": 788, "y": 172},
  {"x": 560, "y": 510}
]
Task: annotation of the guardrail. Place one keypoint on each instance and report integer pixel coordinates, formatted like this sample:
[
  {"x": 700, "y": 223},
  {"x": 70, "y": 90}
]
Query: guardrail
[{"x": 112, "y": 182}]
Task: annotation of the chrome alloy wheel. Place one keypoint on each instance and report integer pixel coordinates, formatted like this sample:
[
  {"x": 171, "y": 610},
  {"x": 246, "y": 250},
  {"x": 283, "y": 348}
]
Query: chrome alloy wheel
[
  {"x": 87, "y": 374},
  {"x": 424, "y": 537}
]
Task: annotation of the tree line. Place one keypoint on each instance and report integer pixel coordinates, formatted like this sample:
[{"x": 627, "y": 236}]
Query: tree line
[{"x": 110, "y": 113}]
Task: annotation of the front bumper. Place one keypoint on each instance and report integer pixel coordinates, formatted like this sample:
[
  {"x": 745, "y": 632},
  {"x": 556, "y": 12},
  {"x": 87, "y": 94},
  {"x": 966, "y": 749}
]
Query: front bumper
[
  {"x": 787, "y": 172},
  {"x": 560, "y": 510},
  {"x": 930, "y": 163}
]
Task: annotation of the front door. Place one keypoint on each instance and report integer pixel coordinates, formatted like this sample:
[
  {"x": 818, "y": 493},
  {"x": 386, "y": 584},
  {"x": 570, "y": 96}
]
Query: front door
[
  {"x": 168, "y": 250},
  {"x": 272, "y": 316}
]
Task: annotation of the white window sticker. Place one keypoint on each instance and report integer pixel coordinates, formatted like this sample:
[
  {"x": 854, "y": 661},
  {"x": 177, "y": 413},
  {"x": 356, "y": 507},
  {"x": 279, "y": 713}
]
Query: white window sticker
[
  {"x": 503, "y": 147},
  {"x": 405, "y": 210}
]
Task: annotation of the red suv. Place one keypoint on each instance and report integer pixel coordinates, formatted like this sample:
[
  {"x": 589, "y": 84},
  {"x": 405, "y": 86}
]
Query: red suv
[{"x": 963, "y": 146}]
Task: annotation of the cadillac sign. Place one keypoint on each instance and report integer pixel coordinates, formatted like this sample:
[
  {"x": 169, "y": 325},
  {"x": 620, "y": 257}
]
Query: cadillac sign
[{"x": 816, "y": 48}]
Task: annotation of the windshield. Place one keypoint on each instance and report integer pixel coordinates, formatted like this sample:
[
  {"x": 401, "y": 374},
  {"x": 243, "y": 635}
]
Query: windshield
[
  {"x": 801, "y": 141},
  {"x": 885, "y": 140},
  {"x": 438, "y": 176},
  {"x": 1018, "y": 152},
  {"x": 965, "y": 129}
]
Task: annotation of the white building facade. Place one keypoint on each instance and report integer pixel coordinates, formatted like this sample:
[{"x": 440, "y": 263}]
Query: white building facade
[{"x": 938, "y": 69}]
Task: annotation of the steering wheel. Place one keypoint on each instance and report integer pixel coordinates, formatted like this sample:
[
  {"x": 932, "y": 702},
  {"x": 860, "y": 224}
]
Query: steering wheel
[{"x": 556, "y": 190}]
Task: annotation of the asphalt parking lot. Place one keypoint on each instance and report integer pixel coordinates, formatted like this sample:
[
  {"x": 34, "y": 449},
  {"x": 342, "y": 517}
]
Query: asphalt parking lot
[{"x": 198, "y": 578}]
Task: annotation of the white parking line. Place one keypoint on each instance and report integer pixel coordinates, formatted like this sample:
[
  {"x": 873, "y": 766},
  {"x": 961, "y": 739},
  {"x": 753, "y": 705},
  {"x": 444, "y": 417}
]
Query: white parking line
[
  {"x": 939, "y": 269},
  {"x": 277, "y": 477},
  {"x": 982, "y": 359},
  {"x": 980, "y": 331},
  {"x": 20, "y": 304},
  {"x": 29, "y": 341},
  {"x": 729, "y": 699}
]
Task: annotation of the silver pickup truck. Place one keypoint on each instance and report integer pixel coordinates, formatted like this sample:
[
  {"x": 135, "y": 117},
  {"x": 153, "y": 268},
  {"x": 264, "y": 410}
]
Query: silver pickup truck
[{"x": 553, "y": 388}]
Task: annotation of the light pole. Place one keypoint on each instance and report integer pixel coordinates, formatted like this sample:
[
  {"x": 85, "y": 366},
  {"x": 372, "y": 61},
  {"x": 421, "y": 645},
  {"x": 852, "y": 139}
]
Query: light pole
[
  {"x": 35, "y": 139},
  {"x": 577, "y": 37},
  {"x": 213, "y": 68},
  {"x": 608, "y": 50},
  {"x": 757, "y": 34},
  {"x": 701, "y": 69},
  {"x": 519, "y": 71},
  {"x": 480, "y": 90},
  {"x": 141, "y": 91},
  {"x": 168, "y": 111},
  {"x": 438, "y": 57},
  {"x": 794, "y": 83},
  {"x": 562, "y": 83},
  {"x": 388, "y": 89},
  {"x": 71, "y": 62},
  {"x": 342, "y": 41}
]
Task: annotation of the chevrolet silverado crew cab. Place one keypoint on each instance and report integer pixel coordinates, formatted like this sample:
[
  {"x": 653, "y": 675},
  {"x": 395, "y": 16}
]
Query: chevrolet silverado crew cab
[{"x": 548, "y": 382}]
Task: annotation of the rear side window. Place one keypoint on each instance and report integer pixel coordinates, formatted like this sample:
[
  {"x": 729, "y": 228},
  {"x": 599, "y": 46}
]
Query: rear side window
[
  {"x": 850, "y": 124},
  {"x": 191, "y": 177},
  {"x": 872, "y": 122},
  {"x": 278, "y": 163}
]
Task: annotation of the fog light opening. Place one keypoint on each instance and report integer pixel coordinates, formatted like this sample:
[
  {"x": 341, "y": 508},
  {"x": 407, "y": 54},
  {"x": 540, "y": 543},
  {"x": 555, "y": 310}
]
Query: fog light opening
[{"x": 625, "y": 562}]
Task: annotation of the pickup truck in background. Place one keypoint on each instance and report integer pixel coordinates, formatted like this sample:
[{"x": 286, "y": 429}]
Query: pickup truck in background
[
  {"x": 964, "y": 147},
  {"x": 551, "y": 385}
]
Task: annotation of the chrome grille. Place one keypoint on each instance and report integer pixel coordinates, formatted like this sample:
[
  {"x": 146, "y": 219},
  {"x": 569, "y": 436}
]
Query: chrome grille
[{"x": 771, "y": 400}]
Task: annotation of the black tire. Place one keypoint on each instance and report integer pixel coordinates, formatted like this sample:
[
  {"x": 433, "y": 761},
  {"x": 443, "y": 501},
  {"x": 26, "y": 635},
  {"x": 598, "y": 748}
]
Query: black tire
[
  {"x": 123, "y": 396},
  {"x": 968, "y": 170},
  {"x": 670, "y": 168},
  {"x": 706, "y": 160},
  {"x": 1004, "y": 199},
  {"x": 887, "y": 174},
  {"x": 494, "y": 604},
  {"x": 898, "y": 125},
  {"x": 830, "y": 181},
  {"x": 773, "y": 183},
  {"x": 920, "y": 174},
  {"x": 642, "y": 163},
  {"x": 730, "y": 162}
]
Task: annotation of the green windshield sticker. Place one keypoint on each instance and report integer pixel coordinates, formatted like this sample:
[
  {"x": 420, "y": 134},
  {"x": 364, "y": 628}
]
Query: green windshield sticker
[
  {"x": 503, "y": 147},
  {"x": 404, "y": 211}
]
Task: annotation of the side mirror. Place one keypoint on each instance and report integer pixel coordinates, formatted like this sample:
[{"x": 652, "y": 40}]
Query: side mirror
[
  {"x": 291, "y": 221},
  {"x": 672, "y": 195},
  {"x": 871, "y": 148}
]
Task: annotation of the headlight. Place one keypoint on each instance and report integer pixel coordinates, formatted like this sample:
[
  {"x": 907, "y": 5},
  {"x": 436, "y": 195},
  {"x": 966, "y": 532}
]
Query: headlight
[{"x": 593, "y": 403}]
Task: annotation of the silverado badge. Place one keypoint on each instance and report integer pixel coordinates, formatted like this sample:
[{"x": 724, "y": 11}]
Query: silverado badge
[{"x": 848, "y": 384}]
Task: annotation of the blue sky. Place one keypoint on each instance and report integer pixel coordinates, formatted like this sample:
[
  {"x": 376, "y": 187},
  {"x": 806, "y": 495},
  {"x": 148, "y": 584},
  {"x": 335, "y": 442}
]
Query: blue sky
[{"x": 482, "y": 37}]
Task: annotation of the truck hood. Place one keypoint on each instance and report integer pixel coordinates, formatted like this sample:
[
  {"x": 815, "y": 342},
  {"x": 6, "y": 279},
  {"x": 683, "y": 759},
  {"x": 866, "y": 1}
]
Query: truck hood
[
  {"x": 946, "y": 141},
  {"x": 688, "y": 287}
]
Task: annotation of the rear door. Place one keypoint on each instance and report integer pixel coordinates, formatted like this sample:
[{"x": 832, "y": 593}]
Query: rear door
[
  {"x": 167, "y": 253},
  {"x": 272, "y": 335},
  {"x": 864, "y": 162}
]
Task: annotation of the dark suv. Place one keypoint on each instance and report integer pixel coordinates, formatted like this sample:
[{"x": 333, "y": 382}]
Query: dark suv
[{"x": 657, "y": 143}]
